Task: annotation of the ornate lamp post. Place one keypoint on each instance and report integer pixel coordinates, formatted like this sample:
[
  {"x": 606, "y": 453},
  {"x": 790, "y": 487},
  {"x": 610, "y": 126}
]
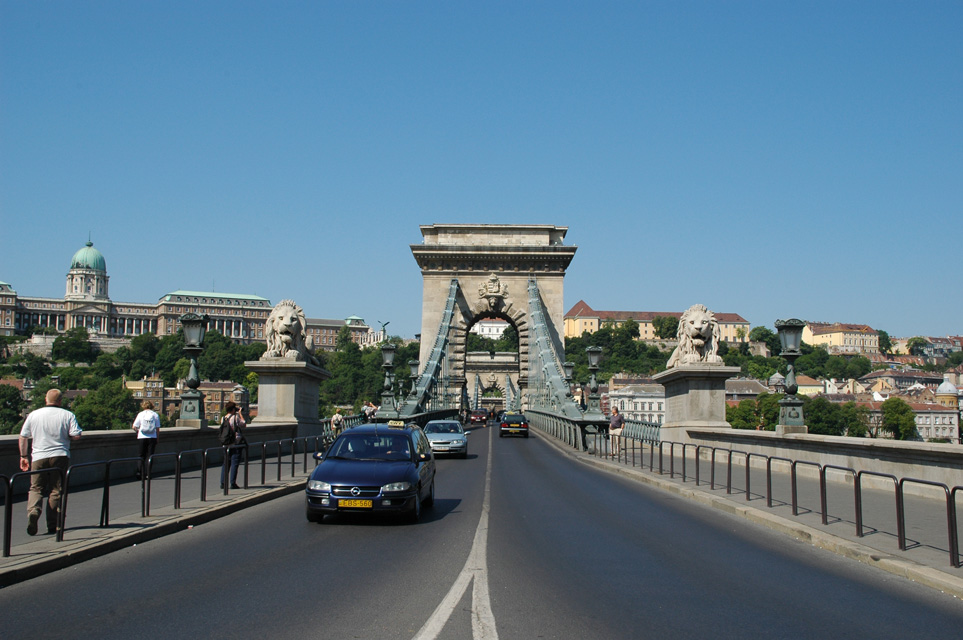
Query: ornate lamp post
[
  {"x": 413, "y": 368},
  {"x": 790, "y": 407},
  {"x": 594, "y": 411},
  {"x": 569, "y": 368},
  {"x": 192, "y": 400},
  {"x": 387, "y": 394}
]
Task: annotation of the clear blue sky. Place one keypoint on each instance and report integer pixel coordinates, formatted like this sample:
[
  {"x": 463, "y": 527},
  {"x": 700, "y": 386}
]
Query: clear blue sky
[{"x": 772, "y": 159}]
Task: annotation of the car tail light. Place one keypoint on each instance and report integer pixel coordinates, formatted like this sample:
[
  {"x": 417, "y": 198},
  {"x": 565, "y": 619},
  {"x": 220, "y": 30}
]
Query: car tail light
[{"x": 504, "y": 425}]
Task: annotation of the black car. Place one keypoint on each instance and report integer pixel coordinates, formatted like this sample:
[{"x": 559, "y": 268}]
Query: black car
[
  {"x": 513, "y": 424},
  {"x": 373, "y": 468}
]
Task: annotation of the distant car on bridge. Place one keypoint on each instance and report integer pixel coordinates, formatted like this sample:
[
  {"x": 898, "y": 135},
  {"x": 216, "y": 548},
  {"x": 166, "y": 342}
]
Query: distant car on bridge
[
  {"x": 513, "y": 424},
  {"x": 447, "y": 436},
  {"x": 479, "y": 416},
  {"x": 373, "y": 468}
]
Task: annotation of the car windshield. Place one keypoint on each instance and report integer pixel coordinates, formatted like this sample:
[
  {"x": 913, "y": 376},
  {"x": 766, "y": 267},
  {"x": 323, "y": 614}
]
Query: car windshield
[
  {"x": 371, "y": 447},
  {"x": 443, "y": 427},
  {"x": 514, "y": 417}
]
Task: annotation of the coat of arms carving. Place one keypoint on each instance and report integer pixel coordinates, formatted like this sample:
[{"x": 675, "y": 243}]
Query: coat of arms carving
[{"x": 493, "y": 291}]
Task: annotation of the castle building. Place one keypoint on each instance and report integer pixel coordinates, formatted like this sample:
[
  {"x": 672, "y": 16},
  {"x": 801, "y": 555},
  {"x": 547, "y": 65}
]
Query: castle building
[
  {"x": 86, "y": 303},
  {"x": 582, "y": 318}
]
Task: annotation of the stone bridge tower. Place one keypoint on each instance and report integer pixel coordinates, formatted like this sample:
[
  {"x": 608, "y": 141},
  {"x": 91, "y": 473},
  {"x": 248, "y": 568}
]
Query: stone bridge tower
[{"x": 493, "y": 264}]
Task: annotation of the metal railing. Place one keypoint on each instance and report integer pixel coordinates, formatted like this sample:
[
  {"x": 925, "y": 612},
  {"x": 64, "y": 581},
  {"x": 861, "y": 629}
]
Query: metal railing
[
  {"x": 636, "y": 439},
  {"x": 282, "y": 449}
]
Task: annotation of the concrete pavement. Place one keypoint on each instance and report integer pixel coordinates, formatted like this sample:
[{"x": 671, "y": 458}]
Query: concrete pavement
[
  {"x": 85, "y": 539},
  {"x": 925, "y": 561}
]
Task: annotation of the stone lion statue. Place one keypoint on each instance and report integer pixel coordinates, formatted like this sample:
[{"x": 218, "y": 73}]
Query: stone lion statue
[
  {"x": 286, "y": 337},
  {"x": 699, "y": 336}
]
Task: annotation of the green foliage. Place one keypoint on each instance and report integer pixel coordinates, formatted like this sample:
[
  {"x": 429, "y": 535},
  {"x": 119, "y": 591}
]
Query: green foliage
[
  {"x": 108, "y": 407},
  {"x": 73, "y": 346},
  {"x": 917, "y": 345},
  {"x": 11, "y": 408},
  {"x": 885, "y": 344},
  {"x": 767, "y": 335},
  {"x": 620, "y": 352},
  {"x": 665, "y": 326},
  {"x": 758, "y": 367},
  {"x": 251, "y": 384},
  {"x": 743, "y": 416},
  {"x": 26, "y": 365},
  {"x": 899, "y": 419},
  {"x": 761, "y": 413},
  {"x": 72, "y": 377},
  {"x": 357, "y": 375},
  {"x": 343, "y": 339},
  {"x": 955, "y": 360},
  {"x": 822, "y": 417}
]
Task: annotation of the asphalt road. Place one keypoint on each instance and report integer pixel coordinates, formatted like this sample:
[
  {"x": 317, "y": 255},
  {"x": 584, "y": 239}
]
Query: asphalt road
[{"x": 523, "y": 542}]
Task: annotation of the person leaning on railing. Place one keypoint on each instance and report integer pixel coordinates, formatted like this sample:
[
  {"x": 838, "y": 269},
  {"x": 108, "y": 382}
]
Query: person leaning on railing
[
  {"x": 616, "y": 424},
  {"x": 45, "y": 444}
]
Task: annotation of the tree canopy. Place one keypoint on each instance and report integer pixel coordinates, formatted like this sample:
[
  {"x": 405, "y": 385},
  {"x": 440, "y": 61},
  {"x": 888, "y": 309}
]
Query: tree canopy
[
  {"x": 665, "y": 327},
  {"x": 899, "y": 419}
]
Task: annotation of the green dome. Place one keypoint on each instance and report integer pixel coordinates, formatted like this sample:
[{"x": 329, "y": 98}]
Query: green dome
[{"x": 89, "y": 258}]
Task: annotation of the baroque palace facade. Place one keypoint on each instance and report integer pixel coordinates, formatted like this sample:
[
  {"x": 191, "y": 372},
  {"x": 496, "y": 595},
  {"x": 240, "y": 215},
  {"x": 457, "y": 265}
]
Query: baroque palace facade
[{"x": 240, "y": 317}]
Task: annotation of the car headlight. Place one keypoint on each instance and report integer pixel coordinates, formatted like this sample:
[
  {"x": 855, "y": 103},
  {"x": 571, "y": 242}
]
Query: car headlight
[
  {"x": 460, "y": 441},
  {"x": 396, "y": 486},
  {"x": 317, "y": 485}
]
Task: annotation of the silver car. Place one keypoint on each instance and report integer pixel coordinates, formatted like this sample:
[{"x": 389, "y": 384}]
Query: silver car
[{"x": 447, "y": 436}]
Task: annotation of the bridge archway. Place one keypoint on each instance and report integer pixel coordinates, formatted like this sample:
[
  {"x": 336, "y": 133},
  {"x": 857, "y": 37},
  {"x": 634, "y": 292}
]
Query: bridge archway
[{"x": 493, "y": 265}]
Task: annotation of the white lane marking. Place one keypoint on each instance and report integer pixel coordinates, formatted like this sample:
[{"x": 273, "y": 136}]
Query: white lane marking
[{"x": 475, "y": 570}]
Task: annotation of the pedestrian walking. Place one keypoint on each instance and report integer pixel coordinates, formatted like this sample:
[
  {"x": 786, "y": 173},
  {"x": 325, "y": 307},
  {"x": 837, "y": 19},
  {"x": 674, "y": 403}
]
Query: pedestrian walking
[
  {"x": 146, "y": 424},
  {"x": 45, "y": 444},
  {"x": 616, "y": 424},
  {"x": 337, "y": 422}
]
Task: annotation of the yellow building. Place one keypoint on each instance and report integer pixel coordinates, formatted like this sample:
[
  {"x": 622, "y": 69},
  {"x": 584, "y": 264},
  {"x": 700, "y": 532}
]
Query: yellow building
[
  {"x": 842, "y": 338},
  {"x": 582, "y": 318}
]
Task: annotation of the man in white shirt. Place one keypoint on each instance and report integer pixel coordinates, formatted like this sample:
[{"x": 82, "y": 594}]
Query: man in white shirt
[{"x": 51, "y": 429}]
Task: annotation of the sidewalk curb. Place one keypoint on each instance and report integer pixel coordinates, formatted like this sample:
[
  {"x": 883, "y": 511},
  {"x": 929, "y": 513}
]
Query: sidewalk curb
[
  {"x": 83, "y": 550},
  {"x": 895, "y": 565}
]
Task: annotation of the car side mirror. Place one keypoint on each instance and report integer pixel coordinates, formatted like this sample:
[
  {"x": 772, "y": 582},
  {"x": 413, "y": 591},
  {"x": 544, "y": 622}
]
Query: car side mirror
[
  {"x": 319, "y": 455},
  {"x": 424, "y": 457}
]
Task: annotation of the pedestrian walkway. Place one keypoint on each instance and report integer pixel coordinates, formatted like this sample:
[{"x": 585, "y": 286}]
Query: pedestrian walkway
[
  {"x": 84, "y": 538},
  {"x": 927, "y": 556}
]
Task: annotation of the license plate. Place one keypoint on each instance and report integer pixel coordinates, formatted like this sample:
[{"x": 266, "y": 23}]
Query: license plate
[
  {"x": 515, "y": 426},
  {"x": 355, "y": 504}
]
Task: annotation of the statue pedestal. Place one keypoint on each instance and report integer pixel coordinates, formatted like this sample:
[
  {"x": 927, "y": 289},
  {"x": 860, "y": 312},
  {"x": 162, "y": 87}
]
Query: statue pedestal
[
  {"x": 192, "y": 410},
  {"x": 695, "y": 398},
  {"x": 287, "y": 391}
]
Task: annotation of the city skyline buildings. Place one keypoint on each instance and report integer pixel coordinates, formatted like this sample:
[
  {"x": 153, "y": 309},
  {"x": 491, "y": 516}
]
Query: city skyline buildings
[{"x": 783, "y": 160}]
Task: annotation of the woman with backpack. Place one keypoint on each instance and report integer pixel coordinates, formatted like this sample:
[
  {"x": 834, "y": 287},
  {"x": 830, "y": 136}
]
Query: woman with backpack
[
  {"x": 146, "y": 424},
  {"x": 232, "y": 437}
]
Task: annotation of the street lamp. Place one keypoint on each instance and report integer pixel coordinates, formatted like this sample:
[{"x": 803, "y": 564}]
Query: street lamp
[
  {"x": 790, "y": 407},
  {"x": 413, "y": 368},
  {"x": 192, "y": 400},
  {"x": 387, "y": 395},
  {"x": 569, "y": 368},
  {"x": 594, "y": 411}
]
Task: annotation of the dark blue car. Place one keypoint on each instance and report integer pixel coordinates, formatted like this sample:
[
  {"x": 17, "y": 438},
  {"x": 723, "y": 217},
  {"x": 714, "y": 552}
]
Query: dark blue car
[{"x": 373, "y": 468}]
